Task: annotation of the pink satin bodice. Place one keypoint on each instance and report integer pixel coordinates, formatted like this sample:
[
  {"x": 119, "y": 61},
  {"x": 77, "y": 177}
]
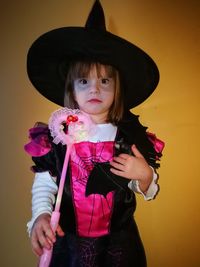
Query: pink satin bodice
[{"x": 93, "y": 213}]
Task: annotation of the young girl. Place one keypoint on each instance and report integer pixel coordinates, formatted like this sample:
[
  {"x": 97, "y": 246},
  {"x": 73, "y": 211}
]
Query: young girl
[{"x": 97, "y": 226}]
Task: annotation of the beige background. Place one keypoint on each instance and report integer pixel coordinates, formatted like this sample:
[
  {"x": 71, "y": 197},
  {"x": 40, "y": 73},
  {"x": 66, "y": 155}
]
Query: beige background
[{"x": 169, "y": 31}]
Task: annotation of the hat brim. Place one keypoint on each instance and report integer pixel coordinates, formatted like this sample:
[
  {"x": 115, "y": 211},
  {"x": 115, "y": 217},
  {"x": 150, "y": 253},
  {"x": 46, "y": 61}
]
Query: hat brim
[{"x": 50, "y": 55}]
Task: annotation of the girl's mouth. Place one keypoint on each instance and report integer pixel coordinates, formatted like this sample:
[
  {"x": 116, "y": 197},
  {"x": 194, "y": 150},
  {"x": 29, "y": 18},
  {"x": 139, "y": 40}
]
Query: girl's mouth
[{"x": 94, "y": 100}]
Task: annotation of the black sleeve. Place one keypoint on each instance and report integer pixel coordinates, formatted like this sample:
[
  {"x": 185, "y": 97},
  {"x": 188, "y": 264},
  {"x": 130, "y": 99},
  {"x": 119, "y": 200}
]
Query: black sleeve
[
  {"x": 45, "y": 163},
  {"x": 52, "y": 161}
]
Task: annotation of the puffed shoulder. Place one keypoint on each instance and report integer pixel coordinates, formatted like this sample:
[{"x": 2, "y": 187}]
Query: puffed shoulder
[
  {"x": 46, "y": 155},
  {"x": 40, "y": 143}
]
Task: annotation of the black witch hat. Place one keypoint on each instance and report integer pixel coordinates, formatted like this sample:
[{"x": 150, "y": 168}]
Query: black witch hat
[{"x": 51, "y": 54}]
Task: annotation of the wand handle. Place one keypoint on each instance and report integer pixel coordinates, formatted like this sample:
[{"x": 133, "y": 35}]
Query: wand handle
[
  {"x": 62, "y": 179},
  {"x": 45, "y": 259},
  {"x": 47, "y": 253}
]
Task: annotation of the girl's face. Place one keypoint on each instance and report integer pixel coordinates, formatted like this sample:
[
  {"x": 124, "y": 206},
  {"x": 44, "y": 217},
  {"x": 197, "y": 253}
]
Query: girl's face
[{"x": 94, "y": 94}]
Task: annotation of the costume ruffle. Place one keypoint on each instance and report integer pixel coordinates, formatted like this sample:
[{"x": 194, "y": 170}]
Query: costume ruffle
[
  {"x": 45, "y": 154},
  {"x": 157, "y": 143},
  {"x": 40, "y": 143}
]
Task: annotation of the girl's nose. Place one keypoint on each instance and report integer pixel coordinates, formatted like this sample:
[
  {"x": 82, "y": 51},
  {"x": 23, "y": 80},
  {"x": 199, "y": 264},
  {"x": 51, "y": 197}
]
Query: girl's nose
[{"x": 94, "y": 88}]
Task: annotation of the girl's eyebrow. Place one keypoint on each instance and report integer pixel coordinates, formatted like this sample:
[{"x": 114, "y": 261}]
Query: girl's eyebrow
[
  {"x": 89, "y": 78},
  {"x": 82, "y": 77}
]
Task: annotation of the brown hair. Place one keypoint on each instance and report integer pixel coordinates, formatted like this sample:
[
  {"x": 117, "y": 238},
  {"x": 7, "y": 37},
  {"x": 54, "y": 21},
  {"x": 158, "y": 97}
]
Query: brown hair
[{"x": 82, "y": 69}]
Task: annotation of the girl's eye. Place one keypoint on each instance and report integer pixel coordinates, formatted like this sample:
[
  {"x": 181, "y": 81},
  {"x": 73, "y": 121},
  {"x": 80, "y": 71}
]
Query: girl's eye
[
  {"x": 83, "y": 81},
  {"x": 105, "y": 81}
]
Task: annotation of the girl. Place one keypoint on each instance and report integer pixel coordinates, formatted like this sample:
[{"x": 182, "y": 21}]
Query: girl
[{"x": 96, "y": 227}]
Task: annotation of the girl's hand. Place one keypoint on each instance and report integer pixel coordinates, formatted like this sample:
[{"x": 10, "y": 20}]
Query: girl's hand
[
  {"x": 42, "y": 235},
  {"x": 133, "y": 167}
]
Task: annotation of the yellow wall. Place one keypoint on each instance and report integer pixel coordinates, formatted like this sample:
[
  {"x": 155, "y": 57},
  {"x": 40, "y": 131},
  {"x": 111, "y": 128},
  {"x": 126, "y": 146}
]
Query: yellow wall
[{"x": 169, "y": 31}]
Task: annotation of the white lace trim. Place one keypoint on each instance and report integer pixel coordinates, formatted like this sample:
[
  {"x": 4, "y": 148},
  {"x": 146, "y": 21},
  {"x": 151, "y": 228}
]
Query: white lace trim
[{"x": 80, "y": 126}]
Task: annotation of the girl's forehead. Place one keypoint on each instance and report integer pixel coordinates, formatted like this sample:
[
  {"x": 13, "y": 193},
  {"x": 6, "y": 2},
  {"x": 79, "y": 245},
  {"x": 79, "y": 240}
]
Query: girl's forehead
[
  {"x": 92, "y": 69},
  {"x": 99, "y": 71}
]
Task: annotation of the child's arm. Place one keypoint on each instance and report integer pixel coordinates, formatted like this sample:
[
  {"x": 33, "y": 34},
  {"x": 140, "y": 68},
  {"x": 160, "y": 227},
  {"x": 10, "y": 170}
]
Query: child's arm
[
  {"x": 135, "y": 168},
  {"x": 43, "y": 197}
]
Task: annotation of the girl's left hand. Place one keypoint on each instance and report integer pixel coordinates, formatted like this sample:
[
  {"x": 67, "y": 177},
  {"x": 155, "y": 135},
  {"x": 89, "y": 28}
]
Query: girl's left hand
[{"x": 132, "y": 167}]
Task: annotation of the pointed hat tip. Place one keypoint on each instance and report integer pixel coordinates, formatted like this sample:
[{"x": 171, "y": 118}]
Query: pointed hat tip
[{"x": 96, "y": 18}]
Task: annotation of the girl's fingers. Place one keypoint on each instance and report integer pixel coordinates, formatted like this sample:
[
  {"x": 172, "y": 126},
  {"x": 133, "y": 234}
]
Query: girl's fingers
[
  {"x": 122, "y": 158},
  {"x": 115, "y": 171},
  {"x": 120, "y": 162},
  {"x": 37, "y": 249},
  {"x": 136, "y": 152},
  {"x": 117, "y": 165},
  {"x": 44, "y": 241},
  {"x": 60, "y": 231},
  {"x": 49, "y": 233},
  {"x": 40, "y": 240},
  {"x": 119, "y": 173}
]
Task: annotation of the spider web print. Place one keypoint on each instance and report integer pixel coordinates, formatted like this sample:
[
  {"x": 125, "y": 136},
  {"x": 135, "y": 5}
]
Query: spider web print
[
  {"x": 94, "y": 254},
  {"x": 115, "y": 256},
  {"x": 93, "y": 213},
  {"x": 88, "y": 253}
]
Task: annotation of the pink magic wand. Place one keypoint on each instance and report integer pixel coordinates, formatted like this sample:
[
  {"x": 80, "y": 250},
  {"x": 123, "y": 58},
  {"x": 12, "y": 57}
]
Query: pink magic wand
[{"x": 79, "y": 128}]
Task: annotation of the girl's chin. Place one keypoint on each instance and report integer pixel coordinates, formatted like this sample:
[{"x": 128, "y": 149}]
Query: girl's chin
[
  {"x": 94, "y": 110},
  {"x": 96, "y": 113}
]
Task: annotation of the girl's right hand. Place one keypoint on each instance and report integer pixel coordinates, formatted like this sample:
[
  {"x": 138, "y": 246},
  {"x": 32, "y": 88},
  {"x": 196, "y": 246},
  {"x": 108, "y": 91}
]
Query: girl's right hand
[{"x": 42, "y": 235}]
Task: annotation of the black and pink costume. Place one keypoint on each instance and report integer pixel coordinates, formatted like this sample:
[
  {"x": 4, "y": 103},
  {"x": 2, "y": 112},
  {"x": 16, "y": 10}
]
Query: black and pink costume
[{"x": 97, "y": 206}]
